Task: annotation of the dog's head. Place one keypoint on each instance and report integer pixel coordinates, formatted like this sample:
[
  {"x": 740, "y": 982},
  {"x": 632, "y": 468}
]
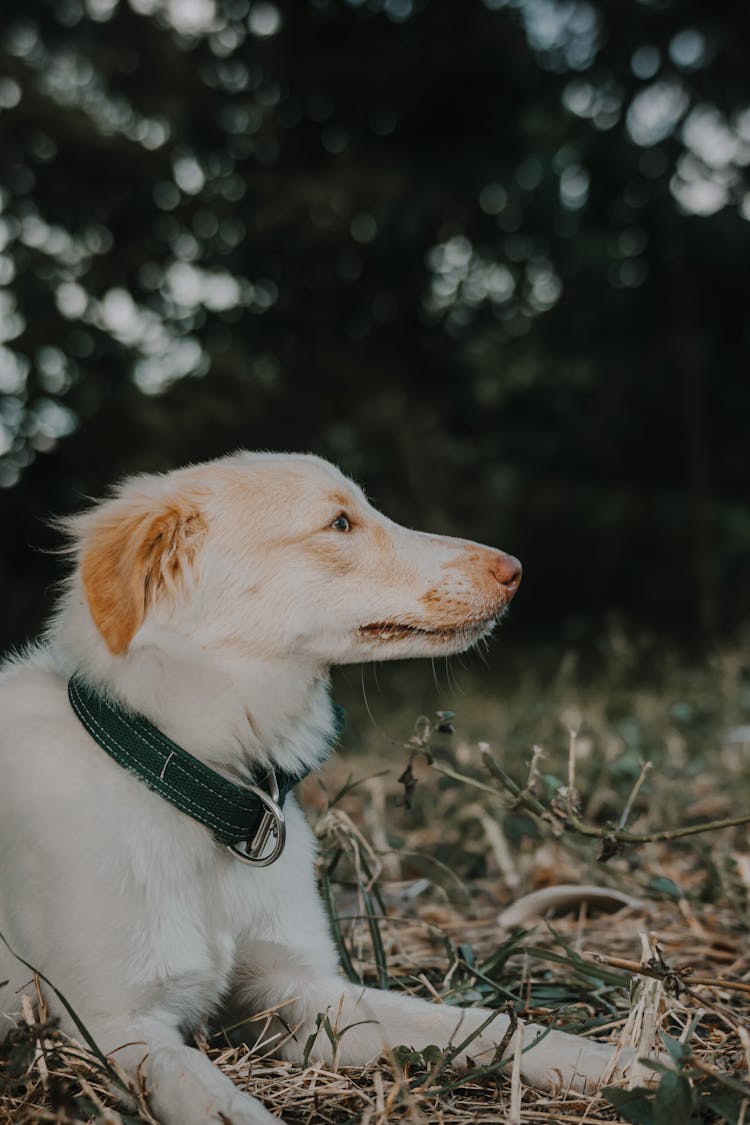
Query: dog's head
[{"x": 280, "y": 556}]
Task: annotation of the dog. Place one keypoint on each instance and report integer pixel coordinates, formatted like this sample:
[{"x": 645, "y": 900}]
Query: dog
[{"x": 204, "y": 610}]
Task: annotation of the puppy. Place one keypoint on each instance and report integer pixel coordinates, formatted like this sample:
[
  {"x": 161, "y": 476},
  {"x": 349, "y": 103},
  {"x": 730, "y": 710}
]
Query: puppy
[{"x": 188, "y": 665}]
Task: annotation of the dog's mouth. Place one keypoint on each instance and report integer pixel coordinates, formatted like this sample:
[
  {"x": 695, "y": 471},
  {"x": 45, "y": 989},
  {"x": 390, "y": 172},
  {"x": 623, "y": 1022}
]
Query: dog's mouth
[{"x": 396, "y": 630}]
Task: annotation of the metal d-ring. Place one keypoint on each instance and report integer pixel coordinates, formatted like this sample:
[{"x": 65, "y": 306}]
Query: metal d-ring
[{"x": 272, "y": 823}]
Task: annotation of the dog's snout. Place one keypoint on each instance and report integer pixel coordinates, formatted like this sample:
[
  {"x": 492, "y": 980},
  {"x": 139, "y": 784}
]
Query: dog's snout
[{"x": 507, "y": 570}]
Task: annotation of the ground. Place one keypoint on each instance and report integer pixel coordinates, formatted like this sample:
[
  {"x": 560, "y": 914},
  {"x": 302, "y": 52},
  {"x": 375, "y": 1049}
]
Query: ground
[{"x": 417, "y": 892}]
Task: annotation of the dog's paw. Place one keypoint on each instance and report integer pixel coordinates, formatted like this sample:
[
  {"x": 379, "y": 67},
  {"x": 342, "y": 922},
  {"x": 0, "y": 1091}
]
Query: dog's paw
[
  {"x": 185, "y": 1088},
  {"x": 242, "y": 1109},
  {"x": 568, "y": 1062}
]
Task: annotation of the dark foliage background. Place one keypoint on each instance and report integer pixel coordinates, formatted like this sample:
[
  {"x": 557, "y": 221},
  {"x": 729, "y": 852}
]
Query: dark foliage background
[{"x": 492, "y": 258}]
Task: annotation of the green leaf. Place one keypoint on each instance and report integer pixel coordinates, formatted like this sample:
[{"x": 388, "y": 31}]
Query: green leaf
[
  {"x": 678, "y": 1052},
  {"x": 333, "y": 918},
  {"x": 404, "y": 1055},
  {"x": 636, "y": 1105},
  {"x": 674, "y": 1100},
  {"x": 552, "y": 781},
  {"x": 516, "y": 825},
  {"x": 553, "y": 995},
  {"x": 713, "y": 1096},
  {"x": 330, "y": 1033},
  {"x": 496, "y": 960},
  {"x": 658, "y": 1067},
  {"x": 664, "y": 886},
  {"x": 375, "y": 915},
  {"x": 466, "y": 953}
]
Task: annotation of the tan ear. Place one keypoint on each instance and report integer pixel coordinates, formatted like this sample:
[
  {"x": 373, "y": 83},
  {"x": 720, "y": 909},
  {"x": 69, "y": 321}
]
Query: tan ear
[{"x": 128, "y": 562}]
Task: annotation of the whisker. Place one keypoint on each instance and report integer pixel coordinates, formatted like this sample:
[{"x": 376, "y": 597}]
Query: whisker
[
  {"x": 435, "y": 678},
  {"x": 364, "y": 695}
]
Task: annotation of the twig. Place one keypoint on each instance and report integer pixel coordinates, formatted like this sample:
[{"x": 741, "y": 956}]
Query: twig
[
  {"x": 573, "y": 823},
  {"x": 745, "y": 1041},
  {"x": 662, "y": 972},
  {"x": 573, "y": 734},
  {"x": 514, "y": 1116},
  {"x": 531, "y": 804},
  {"x": 472, "y": 781},
  {"x": 633, "y": 794},
  {"x": 536, "y": 755},
  {"x": 41, "y": 1061}
]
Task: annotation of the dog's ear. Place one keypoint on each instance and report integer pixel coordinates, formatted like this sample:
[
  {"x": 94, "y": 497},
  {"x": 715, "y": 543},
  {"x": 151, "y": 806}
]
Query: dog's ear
[{"x": 130, "y": 558}]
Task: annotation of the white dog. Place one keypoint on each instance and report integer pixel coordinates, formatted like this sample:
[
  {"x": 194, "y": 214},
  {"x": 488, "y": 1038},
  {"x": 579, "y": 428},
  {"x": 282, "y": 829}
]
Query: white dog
[{"x": 204, "y": 611}]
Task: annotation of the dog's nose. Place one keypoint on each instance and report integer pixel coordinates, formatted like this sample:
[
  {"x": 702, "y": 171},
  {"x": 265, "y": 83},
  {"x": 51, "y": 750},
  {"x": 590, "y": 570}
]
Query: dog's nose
[{"x": 507, "y": 570}]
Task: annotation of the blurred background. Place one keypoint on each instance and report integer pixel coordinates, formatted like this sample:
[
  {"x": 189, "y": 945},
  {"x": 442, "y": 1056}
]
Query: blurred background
[{"x": 492, "y": 258}]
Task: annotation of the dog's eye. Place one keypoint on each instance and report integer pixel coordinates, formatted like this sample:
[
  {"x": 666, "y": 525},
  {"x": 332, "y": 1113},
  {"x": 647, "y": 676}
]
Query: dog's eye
[{"x": 341, "y": 523}]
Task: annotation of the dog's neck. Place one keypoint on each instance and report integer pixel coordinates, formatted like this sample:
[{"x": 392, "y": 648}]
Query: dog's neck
[{"x": 237, "y": 713}]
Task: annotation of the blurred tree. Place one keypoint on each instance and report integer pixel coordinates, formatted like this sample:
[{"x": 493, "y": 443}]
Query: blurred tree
[{"x": 491, "y": 257}]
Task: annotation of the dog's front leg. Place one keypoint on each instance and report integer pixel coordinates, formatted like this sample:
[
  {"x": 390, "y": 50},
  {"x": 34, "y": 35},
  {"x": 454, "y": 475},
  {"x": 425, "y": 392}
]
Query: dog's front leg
[
  {"x": 364, "y": 1022},
  {"x": 183, "y": 1086},
  {"x": 551, "y": 1060}
]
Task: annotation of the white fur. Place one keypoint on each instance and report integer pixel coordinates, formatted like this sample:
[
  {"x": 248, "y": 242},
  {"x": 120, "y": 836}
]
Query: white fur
[{"x": 143, "y": 922}]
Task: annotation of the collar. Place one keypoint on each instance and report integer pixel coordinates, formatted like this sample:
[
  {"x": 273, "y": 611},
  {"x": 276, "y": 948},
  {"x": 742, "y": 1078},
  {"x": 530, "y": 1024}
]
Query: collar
[{"x": 243, "y": 817}]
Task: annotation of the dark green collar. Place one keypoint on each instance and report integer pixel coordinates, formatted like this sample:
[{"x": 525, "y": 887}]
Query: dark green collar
[{"x": 244, "y": 817}]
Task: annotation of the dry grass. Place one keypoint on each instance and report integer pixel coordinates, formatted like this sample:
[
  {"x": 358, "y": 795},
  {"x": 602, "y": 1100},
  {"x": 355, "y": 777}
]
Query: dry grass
[{"x": 417, "y": 896}]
